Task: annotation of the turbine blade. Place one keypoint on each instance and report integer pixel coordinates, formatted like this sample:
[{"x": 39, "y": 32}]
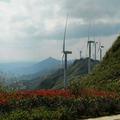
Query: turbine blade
[
  {"x": 87, "y": 46},
  {"x": 87, "y": 49},
  {"x": 99, "y": 47},
  {"x": 65, "y": 34},
  {"x": 62, "y": 59}
]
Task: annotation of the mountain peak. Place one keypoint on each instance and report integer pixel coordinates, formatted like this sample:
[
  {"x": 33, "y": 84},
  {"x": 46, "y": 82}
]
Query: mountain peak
[{"x": 51, "y": 58}]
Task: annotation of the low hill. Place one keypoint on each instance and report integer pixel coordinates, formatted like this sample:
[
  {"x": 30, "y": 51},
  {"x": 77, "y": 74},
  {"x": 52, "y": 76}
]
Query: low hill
[
  {"x": 55, "y": 80},
  {"x": 107, "y": 74}
]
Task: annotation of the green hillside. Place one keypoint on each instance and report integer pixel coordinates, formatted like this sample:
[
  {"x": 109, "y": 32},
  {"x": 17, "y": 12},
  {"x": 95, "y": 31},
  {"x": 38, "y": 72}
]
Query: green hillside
[
  {"x": 55, "y": 80},
  {"x": 106, "y": 75}
]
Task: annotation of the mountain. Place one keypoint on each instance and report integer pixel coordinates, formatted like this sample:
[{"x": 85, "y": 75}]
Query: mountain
[
  {"x": 30, "y": 68},
  {"x": 106, "y": 75},
  {"x": 46, "y": 65},
  {"x": 55, "y": 80},
  {"x": 17, "y": 74}
]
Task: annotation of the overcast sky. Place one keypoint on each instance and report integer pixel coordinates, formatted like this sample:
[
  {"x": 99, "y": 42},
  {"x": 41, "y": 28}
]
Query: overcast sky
[{"x": 32, "y": 30}]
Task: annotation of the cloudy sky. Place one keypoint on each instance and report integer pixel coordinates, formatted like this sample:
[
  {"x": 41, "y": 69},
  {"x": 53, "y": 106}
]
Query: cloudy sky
[{"x": 32, "y": 30}]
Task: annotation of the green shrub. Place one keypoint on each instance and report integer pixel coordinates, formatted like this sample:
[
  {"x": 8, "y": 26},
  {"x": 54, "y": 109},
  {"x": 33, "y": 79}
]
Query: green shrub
[{"x": 59, "y": 108}]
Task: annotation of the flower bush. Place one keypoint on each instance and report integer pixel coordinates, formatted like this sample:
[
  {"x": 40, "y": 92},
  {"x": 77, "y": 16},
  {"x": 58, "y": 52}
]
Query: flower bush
[{"x": 57, "y": 104}]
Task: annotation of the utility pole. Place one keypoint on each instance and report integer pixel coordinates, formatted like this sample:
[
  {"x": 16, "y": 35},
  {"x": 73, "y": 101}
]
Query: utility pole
[
  {"x": 101, "y": 48},
  {"x": 89, "y": 59}
]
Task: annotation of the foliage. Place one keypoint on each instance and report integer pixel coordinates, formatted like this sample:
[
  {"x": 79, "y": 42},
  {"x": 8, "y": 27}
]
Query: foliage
[
  {"x": 60, "y": 108},
  {"x": 34, "y": 105},
  {"x": 39, "y": 114}
]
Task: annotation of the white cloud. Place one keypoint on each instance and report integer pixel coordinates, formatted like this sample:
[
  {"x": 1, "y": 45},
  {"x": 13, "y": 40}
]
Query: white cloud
[{"x": 29, "y": 28}]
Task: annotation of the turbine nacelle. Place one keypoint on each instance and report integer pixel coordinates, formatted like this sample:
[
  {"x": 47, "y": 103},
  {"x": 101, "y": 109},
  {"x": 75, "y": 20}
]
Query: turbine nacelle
[
  {"x": 90, "y": 41},
  {"x": 67, "y": 52},
  {"x": 101, "y": 47}
]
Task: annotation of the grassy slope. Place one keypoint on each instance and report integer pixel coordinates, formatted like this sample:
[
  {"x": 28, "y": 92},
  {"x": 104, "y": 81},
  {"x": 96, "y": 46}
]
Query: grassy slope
[
  {"x": 55, "y": 81},
  {"x": 106, "y": 76}
]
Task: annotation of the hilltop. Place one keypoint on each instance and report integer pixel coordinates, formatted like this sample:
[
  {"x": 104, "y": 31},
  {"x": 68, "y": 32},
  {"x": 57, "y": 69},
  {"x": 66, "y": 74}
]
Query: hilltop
[{"x": 106, "y": 75}]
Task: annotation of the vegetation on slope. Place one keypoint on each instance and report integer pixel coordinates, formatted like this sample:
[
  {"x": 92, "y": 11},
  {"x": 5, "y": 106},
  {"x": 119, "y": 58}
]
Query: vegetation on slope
[
  {"x": 55, "y": 80},
  {"x": 107, "y": 74}
]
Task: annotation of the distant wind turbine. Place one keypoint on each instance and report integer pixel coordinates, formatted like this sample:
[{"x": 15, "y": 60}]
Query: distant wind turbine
[
  {"x": 101, "y": 51},
  {"x": 89, "y": 45},
  {"x": 95, "y": 49}
]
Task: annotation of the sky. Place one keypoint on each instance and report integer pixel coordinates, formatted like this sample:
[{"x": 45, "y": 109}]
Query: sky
[{"x": 32, "y": 30}]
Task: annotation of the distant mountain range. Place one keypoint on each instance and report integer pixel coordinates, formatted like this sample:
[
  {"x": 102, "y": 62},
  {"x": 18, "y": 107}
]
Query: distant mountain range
[
  {"x": 54, "y": 79},
  {"x": 30, "y": 68},
  {"x": 15, "y": 72}
]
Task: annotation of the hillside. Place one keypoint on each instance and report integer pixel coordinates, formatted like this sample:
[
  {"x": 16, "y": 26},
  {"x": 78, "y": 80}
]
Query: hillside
[
  {"x": 106, "y": 75},
  {"x": 55, "y": 80}
]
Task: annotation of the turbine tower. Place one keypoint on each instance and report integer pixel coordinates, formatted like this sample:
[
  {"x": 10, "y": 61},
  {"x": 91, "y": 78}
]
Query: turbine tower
[
  {"x": 80, "y": 54},
  {"x": 65, "y": 54},
  {"x": 96, "y": 50},
  {"x": 101, "y": 48},
  {"x": 89, "y": 44},
  {"x": 90, "y": 51}
]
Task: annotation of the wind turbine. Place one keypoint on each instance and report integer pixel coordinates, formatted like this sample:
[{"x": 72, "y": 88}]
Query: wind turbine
[
  {"x": 96, "y": 49},
  {"x": 100, "y": 49},
  {"x": 89, "y": 44},
  {"x": 65, "y": 54},
  {"x": 80, "y": 54}
]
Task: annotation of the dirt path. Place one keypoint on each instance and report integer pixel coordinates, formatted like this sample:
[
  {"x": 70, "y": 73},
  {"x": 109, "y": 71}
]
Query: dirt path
[{"x": 114, "y": 117}]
